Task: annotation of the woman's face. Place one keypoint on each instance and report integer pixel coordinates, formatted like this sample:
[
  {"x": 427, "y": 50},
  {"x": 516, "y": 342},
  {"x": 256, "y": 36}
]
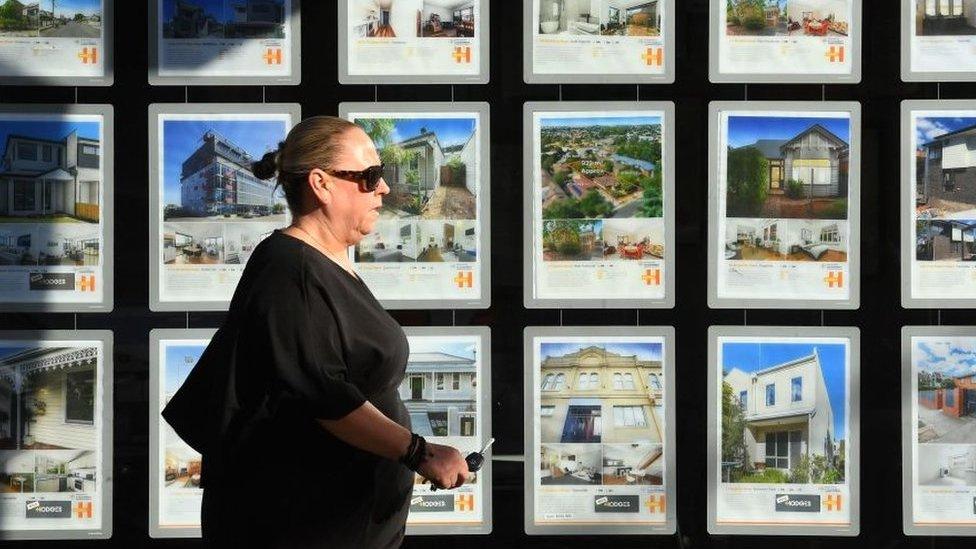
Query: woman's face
[{"x": 352, "y": 211}]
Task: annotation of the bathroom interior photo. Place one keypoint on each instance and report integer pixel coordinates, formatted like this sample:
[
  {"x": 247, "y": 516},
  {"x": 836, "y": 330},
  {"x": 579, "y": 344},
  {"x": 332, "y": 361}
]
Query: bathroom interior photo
[{"x": 600, "y": 17}]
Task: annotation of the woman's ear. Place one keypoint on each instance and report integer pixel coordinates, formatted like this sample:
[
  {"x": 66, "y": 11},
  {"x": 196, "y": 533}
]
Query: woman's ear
[{"x": 320, "y": 184}]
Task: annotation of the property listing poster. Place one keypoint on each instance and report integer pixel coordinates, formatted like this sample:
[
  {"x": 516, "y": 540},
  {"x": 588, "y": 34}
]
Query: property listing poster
[
  {"x": 942, "y": 166},
  {"x": 442, "y": 392},
  {"x": 52, "y": 405},
  {"x": 783, "y": 422},
  {"x": 52, "y": 232},
  {"x": 52, "y": 39},
  {"x": 428, "y": 242},
  {"x": 599, "y": 37},
  {"x": 213, "y": 210},
  {"x": 599, "y": 430},
  {"x": 783, "y": 205},
  {"x": 176, "y": 464},
  {"x": 415, "y": 37},
  {"x": 942, "y": 35},
  {"x": 598, "y": 208},
  {"x": 943, "y": 430},
  {"x": 224, "y": 38},
  {"x": 789, "y": 37}
]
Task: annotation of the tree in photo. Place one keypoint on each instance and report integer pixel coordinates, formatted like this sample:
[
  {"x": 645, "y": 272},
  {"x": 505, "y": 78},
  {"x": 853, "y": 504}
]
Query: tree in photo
[
  {"x": 653, "y": 196},
  {"x": 747, "y": 182},
  {"x": 735, "y": 461}
]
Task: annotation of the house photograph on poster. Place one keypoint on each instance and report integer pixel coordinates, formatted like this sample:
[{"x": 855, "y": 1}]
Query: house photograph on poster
[
  {"x": 63, "y": 244},
  {"x": 412, "y": 18},
  {"x": 51, "y": 171},
  {"x": 601, "y": 167},
  {"x": 633, "y": 464},
  {"x": 631, "y": 17},
  {"x": 945, "y": 17},
  {"x": 786, "y": 240},
  {"x": 207, "y": 171},
  {"x": 51, "y": 18},
  {"x": 946, "y": 465},
  {"x": 447, "y": 241},
  {"x": 946, "y": 385},
  {"x": 946, "y": 240},
  {"x": 783, "y": 413},
  {"x": 440, "y": 388},
  {"x": 787, "y": 167},
  {"x": 634, "y": 239},
  {"x": 787, "y": 17},
  {"x": 570, "y": 464},
  {"x": 392, "y": 241},
  {"x": 430, "y": 165},
  {"x": 193, "y": 19},
  {"x": 193, "y": 244},
  {"x": 181, "y": 463},
  {"x": 945, "y": 184}
]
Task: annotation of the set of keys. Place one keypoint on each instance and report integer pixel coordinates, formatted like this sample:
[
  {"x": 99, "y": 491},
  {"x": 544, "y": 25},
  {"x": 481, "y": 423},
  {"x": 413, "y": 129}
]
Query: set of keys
[{"x": 475, "y": 460}]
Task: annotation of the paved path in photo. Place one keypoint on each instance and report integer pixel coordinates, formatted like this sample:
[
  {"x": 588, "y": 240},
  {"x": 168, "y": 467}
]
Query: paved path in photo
[
  {"x": 948, "y": 428},
  {"x": 450, "y": 203},
  {"x": 73, "y": 29}
]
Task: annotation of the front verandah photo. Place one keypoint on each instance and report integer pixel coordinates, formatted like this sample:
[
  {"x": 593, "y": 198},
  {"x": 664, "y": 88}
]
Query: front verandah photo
[
  {"x": 786, "y": 17},
  {"x": 945, "y": 168},
  {"x": 946, "y": 390},
  {"x": 51, "y": 171},
  {"x": 783, "y": 413},
  {"x": 791, "y": 240},
  {"x": 787, "y": 167},
  {"x": 429, "y": 164}
]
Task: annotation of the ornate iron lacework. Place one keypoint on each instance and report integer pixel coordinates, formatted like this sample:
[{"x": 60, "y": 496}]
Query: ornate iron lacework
[{"x": 64, "y": 359}]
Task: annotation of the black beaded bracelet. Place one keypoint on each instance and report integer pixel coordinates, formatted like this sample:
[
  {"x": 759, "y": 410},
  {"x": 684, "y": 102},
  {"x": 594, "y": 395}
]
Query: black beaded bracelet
[{"x": 416, "y": 452}]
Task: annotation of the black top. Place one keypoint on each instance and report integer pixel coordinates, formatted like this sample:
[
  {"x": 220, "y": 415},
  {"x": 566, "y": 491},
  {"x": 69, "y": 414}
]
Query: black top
[{"x": 303, "y": 339}]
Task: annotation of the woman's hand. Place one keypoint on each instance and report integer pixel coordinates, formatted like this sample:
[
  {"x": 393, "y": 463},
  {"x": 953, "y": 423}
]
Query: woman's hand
[{"x": 443, "y": 466}]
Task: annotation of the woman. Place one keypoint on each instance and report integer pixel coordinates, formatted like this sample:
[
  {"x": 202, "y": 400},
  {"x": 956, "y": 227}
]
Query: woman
[{"x": 294, "y": 404}]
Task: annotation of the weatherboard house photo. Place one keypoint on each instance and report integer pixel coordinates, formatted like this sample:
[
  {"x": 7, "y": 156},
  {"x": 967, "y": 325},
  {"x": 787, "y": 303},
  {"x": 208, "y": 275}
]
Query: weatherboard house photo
[{"x": 440, "y": 392}]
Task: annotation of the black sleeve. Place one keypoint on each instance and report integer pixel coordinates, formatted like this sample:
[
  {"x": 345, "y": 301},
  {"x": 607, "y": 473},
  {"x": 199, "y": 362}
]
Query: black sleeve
[{"x": 304, "y": 348}]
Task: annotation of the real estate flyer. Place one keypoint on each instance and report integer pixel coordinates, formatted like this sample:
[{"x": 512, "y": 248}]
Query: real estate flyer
[
  {"x": 942, "y": 37},
  {"x": 176, "y": 495},
  {"x": 53, "y": 230},
  {"x": 599, "y": 37},
  {"x": 419, "y": 41},
  {"x": 429, "y": 246},
  {"x": 212, "y": 210},
  {"x": 55, "y": 398},
  {"x": 941, "y": 479},
  {"x": 599, "y": 206},
  {"x": 787, "y": 39},
  {"x": 942, "y": 204},
  {"x": 225, "y": 38},
  {"x": 783, "y": 198},
  {"x": 55, "y": 41},
  {"x": 444, "y": 390},
  {"x": 598, "y": 431},
  {"x": 781, "y": 436}
]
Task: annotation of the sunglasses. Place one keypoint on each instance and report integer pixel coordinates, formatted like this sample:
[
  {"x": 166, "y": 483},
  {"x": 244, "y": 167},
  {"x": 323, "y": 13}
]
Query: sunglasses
[{"x": 368, "y": 179}]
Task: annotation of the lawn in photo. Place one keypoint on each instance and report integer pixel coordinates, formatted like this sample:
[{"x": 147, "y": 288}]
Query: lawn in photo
[
  {"x": 392, "y": 241},
  {"x": 816, "y": 18},
  {"x": 633, "y": 464},
  {"x": 571, "y": 464},
  {"x": 601, "y": 393},
  {"x": 601, "y": 167},
  {"x": 945, "y": 240},
  {"x": 447, "y": 241},
  {"x": 440, "y": 388},
  {"x": 191, "y": 19},
  {"x": 944, "y": 17},
  {"x": 430, "y": 165},
  {"x": 51, "y": 171},
  {"x": 51, "y": 18},
  {"x": 787, "y": 167},
  {"x": 946, "y": 390},
  {"x": 946, "y": 465},
  {"x": 634, "y": 239},
  {"x": 48, "y": 398},
  {"x": 193, "y": 244},
  {"x": 945, "y": 167},
  {"x": 181, "y": 463},
  {"x": 784, "y": 409},
  {"x": 572, "y": 240},
  {"x": 62, "y": 244},
  {"x": 207, "y": 171}
]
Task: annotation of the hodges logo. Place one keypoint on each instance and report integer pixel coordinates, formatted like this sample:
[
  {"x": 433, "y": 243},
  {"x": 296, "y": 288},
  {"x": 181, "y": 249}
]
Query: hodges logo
[
  {"x": 797, "y": 503},
  {"x": 48, "y": 509},
  {"x": 616, "y": 504},
  {"x": 43, "y": 282},
  {"x": 432, "y": 504}
]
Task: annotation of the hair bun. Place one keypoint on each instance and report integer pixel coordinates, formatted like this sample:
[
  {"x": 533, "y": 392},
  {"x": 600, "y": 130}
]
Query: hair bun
[{"x": 267, "y": 167}]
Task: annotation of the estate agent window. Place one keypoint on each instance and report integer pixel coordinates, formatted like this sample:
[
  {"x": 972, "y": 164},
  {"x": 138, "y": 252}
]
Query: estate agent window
[
  {"x": 796, "y": 389},
  {"x": 771, "y": 395},
  {"x": 79, "y": 397}
]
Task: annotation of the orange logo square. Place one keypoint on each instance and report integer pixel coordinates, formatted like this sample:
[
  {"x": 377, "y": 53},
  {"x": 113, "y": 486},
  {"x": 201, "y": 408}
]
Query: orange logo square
[
  {"x": 462, "y": 54},
  {"x": 83, "y": 509},
  {"x": 834, "y": 278},
  {"x": 656, "y": 504},
  {"x": 272, "y": 56},
  {"x": 653, "y": 56},
  {"x": 464, "y": 279},
  {"x": 835, "y": 54},
  {"x": 652, "y": 277},
  {"x": 88, "y": 56},
  {"x": 86, "y": 283},
  {"x": 834, "y": 502},
  {"x": 464, "y": 502}
]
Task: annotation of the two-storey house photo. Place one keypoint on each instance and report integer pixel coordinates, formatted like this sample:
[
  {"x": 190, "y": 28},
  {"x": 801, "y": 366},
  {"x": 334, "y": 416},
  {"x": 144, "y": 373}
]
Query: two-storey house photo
[
  {"x": 945, "y": 240},
  {"x": 783, "y": 413},
  {"x": 50, "y": 170},
  {"x": 946, "y": 177}
]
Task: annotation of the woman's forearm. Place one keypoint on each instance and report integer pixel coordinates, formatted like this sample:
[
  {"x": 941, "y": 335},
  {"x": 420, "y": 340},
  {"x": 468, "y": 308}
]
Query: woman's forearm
[{"x": 370, "y": 430}]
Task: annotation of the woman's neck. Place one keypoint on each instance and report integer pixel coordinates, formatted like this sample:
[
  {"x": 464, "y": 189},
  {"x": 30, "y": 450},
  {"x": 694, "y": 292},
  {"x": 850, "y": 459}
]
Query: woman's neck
[{"x": 319, "y": 234}]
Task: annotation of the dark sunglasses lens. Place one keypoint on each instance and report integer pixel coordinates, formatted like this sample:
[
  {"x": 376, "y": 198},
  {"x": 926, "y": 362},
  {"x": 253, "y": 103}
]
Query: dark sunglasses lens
[{"x": 373, "y": 174}]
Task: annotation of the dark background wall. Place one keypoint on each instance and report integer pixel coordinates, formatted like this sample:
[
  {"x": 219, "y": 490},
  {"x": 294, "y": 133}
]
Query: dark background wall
[{"x": 880, "y": 316}]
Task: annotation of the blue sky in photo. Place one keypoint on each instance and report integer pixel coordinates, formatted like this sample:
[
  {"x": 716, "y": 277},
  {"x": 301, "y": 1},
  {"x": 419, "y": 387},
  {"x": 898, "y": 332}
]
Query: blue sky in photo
[
  {"x": 69, "y": 8},
  {"x": 182, "y": 137},
  {"x": 751, "y": 357},
  {"x": 449, "y": 131},
  {"x": 10, "y": 351},
  {"x": 954, "y": 356},
  {"x": 746, "y": 130},
  {"x": 929, "y": 127},
  {"x": 180, "y": 359},
  {"x": 53, "y": 130},
  {"x": 584, "y": 122},
  {"x": 462, "y": 349},
  {"x": 644, "y": 351}
]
